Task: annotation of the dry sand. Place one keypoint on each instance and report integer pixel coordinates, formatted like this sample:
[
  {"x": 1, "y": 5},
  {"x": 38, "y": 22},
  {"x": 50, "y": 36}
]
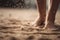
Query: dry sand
[{"x": 17, "y": 26}]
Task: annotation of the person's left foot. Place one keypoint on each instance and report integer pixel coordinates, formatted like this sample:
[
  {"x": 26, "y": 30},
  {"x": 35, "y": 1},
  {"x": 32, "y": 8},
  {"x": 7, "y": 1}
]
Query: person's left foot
[{"x": 50, "y": 26}]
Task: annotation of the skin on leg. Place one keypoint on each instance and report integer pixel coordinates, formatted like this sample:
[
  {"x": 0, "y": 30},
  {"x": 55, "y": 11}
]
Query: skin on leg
[
  {"x": 41, "y": 5},
  {"x": 51, "y": 15}
]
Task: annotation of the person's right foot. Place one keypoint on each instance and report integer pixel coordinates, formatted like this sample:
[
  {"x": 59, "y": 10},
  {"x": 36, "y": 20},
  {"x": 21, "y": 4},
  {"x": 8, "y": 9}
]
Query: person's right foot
[{"x": 38, "y": 23}]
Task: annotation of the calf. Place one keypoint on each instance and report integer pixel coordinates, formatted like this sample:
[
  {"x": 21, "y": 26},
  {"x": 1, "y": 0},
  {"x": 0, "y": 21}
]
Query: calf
[{"x": 46, "y": 20}]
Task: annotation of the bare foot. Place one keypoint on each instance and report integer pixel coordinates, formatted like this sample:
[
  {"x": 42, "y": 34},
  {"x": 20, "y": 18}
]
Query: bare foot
[
  {"x": 50, "y": 26},
  {"x": 38, "y": 23}
]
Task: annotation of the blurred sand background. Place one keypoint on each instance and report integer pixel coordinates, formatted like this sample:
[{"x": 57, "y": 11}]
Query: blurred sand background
[{"x": 15, "y": 25}]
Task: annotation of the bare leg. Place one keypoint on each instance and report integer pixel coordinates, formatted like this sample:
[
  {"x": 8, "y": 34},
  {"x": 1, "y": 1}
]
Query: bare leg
[
  {"x": 51, "y": 14},
  {"x": 41, "y": 4}
]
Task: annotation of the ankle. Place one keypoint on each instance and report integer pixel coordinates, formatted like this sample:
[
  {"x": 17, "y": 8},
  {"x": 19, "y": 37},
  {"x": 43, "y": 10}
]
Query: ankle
[{"x": 50, "y": 22}]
